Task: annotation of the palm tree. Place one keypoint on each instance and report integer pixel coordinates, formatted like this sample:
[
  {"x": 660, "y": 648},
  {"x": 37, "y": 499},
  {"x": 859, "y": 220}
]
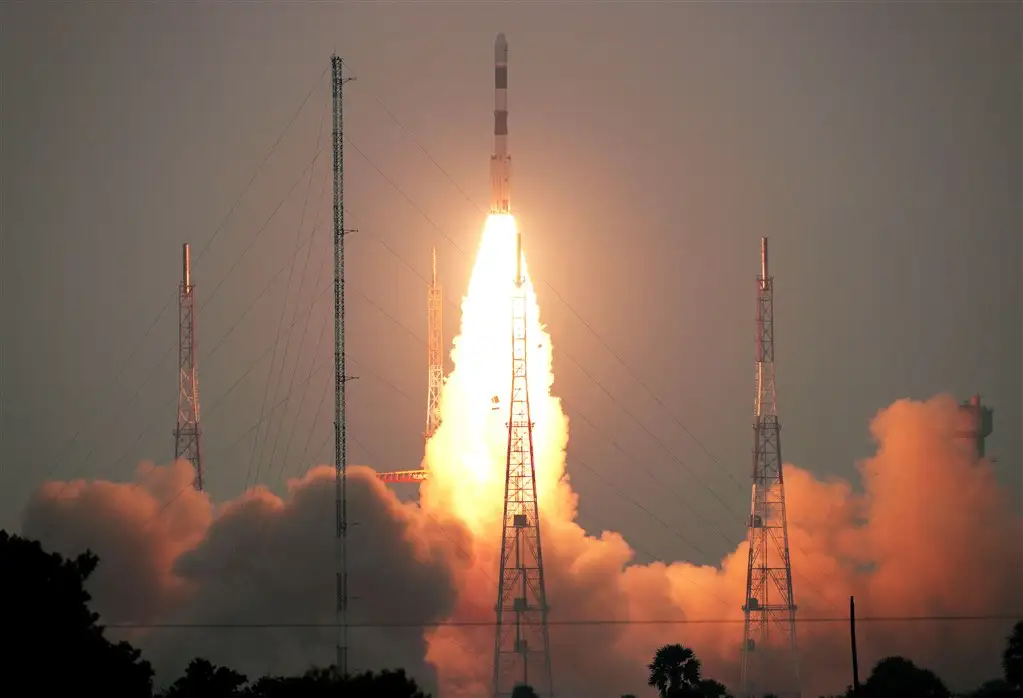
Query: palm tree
[{"x": 675, "y": 672}]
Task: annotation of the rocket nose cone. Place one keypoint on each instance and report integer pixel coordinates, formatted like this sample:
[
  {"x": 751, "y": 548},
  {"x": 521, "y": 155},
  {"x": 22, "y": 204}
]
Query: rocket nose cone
[{"x": 500, "y": 49}]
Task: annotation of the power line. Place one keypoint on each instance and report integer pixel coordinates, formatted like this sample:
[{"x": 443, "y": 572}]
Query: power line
[
  {"x": 262, "y": 164},
  {"x": 280, "y": 321},
  {"x": 302, "y": 337},
  {"x": 291, "y": 382},
  {"x": 580, "y": 622},
  {"x": 273, "y": 214}
]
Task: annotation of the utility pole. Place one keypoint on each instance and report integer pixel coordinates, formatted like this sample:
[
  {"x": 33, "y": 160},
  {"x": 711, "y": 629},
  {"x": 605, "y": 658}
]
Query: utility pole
[
  {"x": 770, "y": 608},
  {"x": 852, "y": 641},
  {"x": 435, "y": 351},
  {"x": 340, "y": 375},
  {"x": 188, "y": 433},
  {"x": 522, "y": 647}
]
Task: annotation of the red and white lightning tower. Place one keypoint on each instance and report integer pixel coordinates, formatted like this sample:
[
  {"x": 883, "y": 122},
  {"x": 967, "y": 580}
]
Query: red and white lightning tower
[
  {"x": 188, "y": 433},
  {"x": 770, "y": 661},
  {"x": 522, "y": 647},
  {"x": 435, "y": 351}
]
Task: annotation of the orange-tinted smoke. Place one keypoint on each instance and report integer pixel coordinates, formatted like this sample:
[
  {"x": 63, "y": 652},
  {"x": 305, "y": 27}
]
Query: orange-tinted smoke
[
  {"x": 167, "y": 556},
  {"x": 930, "y": 535},
  {"x": 138, "y": 530}
]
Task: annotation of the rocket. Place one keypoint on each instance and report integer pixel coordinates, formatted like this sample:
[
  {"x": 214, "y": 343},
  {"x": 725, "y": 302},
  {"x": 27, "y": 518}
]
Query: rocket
[{"x": 500, "y": 161}]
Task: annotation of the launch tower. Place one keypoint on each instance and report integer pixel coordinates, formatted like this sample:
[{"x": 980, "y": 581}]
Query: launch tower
[
  {"x": 522, "y": 653},
  {"x": 522, "y": 646},
  {"x": 188, "y": 433},
  {"x": 435, "y": 351},
  {"x": 770, "y": 661}
]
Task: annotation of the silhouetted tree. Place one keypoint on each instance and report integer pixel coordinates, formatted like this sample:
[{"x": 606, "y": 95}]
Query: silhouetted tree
[
  {"x": 709, "y": 688},
  {"x": 897, "y": 676},
  {"x": 675, "y": 671},
  {"x": 523, "y": 691},
  {"x": 325, "y": 683},
  {"x": 203, "y": 679},
  {"x": 54, "y": 644},
  {"x": 1012, "y": 658}
]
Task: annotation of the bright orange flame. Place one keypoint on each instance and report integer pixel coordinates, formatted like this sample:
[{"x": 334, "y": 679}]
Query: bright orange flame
[{"x": 467, "y": 455}]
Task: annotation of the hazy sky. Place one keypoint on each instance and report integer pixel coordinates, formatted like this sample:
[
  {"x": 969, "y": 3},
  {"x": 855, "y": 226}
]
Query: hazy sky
[{"x": 877, "y": 145}]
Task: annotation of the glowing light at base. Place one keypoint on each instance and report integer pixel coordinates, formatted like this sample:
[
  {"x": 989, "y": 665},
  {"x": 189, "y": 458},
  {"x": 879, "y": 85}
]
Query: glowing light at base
[{"x": 467, "y": 455}]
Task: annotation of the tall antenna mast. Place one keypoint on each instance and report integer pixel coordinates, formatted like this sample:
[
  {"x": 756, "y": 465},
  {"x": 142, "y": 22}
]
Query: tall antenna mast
[
  {"x": 435, "y": 351},
  {"x": 340, "y": 375},
  {"x": 522, "y": 653},
  {"x": 769, "y": 631},
  {"x": 187, "y": 434}
]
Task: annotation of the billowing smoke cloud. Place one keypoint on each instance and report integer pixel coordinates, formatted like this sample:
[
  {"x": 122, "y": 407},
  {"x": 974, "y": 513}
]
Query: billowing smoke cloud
[
  {"x": 928, "y": 534},
  {"x": 170, "y": 558}
]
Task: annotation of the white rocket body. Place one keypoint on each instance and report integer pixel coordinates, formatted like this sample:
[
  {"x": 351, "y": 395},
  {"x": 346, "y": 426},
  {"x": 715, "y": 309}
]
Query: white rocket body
[{"x": 500, "y": 161}]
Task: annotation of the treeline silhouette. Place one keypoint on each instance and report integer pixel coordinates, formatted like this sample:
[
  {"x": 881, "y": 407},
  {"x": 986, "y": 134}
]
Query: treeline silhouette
[{"x": 56, "y": 646}]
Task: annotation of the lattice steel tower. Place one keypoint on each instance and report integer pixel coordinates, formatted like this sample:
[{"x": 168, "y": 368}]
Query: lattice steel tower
[
  {"x": 340, "y": 375},
  {"x": 188, "y": 433},
  {"x": 435, "y": 350},
  {"x": 770, "y": 661},
  {"x": 522, "y": 646}
]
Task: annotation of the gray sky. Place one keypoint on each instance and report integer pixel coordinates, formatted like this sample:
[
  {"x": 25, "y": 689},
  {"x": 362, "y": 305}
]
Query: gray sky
[{"x": 878, "y": 146}]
